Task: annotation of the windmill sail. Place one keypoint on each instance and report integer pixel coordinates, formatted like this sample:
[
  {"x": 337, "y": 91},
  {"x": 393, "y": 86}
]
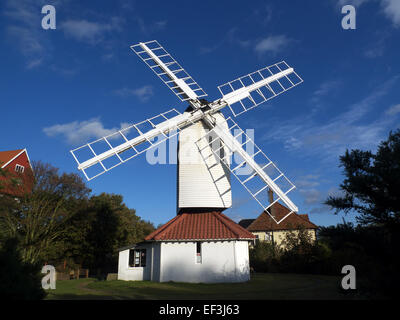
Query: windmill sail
[
  {"x": 249, "y": 91},
  {"x": 168, "y": 70},
  {"x": 104, "y": 154},
  {"x": 254, "y": 170}
]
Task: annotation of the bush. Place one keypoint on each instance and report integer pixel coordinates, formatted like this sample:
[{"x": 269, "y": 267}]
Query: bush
[
  {"x": 18, "y": 280},
  {"x": 264, "y": 257},
  {"x": 372, "y": 250}
]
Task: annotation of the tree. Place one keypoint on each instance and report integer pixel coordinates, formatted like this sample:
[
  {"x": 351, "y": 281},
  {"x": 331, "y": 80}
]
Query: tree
[
  {"x": 298, "y": 239},
  {"x": 37, "y": 218},
  {"x": 94, "y": 234},
  {"x": 19, "y": 280},
  {"x": 264, "y": 256},
  {"x": 372, "y": 183}
]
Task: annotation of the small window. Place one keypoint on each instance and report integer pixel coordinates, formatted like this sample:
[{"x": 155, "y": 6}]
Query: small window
[
  {"x": 19, "y": 168},
  {"x": 137, "y": 257},
  {"x": 198, "y": 252}
]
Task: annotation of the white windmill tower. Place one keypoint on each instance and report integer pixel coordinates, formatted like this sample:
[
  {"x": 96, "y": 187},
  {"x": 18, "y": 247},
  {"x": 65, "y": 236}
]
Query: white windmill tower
[{"x": 200, "y": 244}]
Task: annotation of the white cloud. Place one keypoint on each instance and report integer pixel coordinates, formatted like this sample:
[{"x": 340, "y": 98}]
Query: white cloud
[
  {"x": 149, "y": 28},
  {"x": 322, "y": 91},
  {"x": 392, "y": 10},
  {"x": 355, "y": 3},
  {"x": 263, "y": 14},
  {"x": 25, "y": 31},
  {"x": 78, "y": 132},
  {"x": 272, "y": 44},
  {"x": 326, "y": 141},
  {"x": 314, "y": 199},
  {"x": 393, "y": 110},
  {"x": 231, "y": 38},
  {"x": 376, "y": 50},
  {"x": 308, "y": 181},
  {"x": 143, "y": 94},
  {"x": 34, "y": 63},
  {"x": 325, "y": 88},
  {"x": 88, "y": 31},
  {"x": 312, "y": 196}
]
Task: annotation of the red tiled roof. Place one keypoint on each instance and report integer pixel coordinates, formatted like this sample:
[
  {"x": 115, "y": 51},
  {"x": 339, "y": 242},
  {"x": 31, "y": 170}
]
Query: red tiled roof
[
  {"x": 6, "y": 156},
  {"x": 200, "y": 225},
  {"x": 304, "y": 216},
  {"x": 265, "y": 223}
]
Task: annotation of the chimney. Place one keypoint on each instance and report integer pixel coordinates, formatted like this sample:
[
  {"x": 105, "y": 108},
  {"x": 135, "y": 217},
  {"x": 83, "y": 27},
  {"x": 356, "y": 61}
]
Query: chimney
[
  {"x": 270, "y": 196},
  {"x": 271, "y": 199}
]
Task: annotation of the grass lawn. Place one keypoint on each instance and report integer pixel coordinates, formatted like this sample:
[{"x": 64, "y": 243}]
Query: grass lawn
[{"x": 261, "y": 286}]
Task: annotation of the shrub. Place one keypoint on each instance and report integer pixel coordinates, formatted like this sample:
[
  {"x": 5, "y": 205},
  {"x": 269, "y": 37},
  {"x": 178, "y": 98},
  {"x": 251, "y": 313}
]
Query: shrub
[
  {"x": 18, "y": 280},
  {"x": 264, "y": 257}
]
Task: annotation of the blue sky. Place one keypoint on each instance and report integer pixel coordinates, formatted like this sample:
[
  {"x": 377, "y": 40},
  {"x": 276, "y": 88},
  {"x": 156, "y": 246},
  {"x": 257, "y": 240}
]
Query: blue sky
[{"x": 61, "y": 88}]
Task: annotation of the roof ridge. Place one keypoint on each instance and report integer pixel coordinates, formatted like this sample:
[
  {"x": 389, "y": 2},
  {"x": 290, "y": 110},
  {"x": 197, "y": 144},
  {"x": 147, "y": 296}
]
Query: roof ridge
[
  {"x": 219, "y": 216},
  {"x": 235, "y": 225},
  {"x": 258, "y": 218}
]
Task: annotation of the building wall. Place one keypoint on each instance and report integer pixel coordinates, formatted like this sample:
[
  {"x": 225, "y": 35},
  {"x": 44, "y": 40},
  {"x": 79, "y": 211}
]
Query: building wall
[
  {"x": 134, "y": 273},
  {"x": 26, "y": 177},
  {"x": 155, "y": 272},
  {"x": 222, "y": 261},
  {"x": 202, "y": 183},
  {"x": 279, "y": 236}
]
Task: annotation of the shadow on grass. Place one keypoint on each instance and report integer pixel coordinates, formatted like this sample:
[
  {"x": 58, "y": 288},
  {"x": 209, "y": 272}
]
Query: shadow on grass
[{"x": 260, "y": 287}]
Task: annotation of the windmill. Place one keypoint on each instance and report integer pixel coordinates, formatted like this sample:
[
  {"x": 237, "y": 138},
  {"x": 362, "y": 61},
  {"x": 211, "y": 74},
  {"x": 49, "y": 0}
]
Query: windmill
[{"x": 212, "y": 136}]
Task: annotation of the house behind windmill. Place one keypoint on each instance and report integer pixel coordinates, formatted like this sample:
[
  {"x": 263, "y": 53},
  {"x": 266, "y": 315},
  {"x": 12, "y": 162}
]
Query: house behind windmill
[{"x": 266, "y": 229}]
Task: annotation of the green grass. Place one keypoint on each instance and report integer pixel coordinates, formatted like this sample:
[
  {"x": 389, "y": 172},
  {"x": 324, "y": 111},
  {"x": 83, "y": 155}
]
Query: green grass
[{"x": 261, "y": 286}]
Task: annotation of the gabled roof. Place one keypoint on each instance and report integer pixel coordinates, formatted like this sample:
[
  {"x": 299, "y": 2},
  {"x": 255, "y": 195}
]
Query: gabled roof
[
  {"x": 211, "y": 225},
  {"x": 294, "y": 221},
  {"x": 8, "y": 156}
]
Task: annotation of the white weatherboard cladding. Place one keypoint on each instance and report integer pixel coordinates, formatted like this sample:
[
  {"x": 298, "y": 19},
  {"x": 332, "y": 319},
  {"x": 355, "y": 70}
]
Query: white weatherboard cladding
[{"x": 202, "y": 183}]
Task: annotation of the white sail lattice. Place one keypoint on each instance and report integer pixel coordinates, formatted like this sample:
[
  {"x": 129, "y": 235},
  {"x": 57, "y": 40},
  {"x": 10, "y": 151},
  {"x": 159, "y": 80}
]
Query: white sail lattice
[
  {"x": 249, "y": 91},
  {"x": 102, "y": 155},
  {"x": 168, "y": 70},
  {"x": 244, "y": 170}
]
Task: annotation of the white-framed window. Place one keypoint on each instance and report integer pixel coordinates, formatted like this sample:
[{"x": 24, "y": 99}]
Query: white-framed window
[
  {"x": 198, "y": 252},
  {"x": 268, "y": 236},
  {"x": 19, "y": 168},
  {"x": 137, "y": 258}
]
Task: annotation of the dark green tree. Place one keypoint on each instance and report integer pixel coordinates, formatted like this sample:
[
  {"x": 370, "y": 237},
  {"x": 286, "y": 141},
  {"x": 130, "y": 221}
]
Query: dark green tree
[
  {"x": 372, "y": 189},
  {"x": 372, "y": 183},
  {"x": 19, "y": 280},
  {"x": 37, "y": 218},
  {"x": 92, "y": 237}
]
